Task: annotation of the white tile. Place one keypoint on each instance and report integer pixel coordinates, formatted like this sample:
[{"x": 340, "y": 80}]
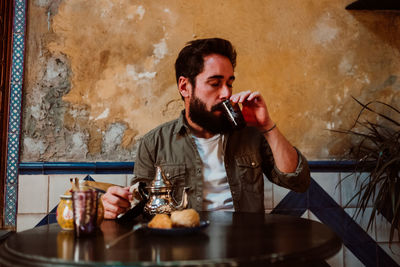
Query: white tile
[
  {"x": 312, "y": 216},
  {"x": 393, "y": 251},
  {"x": 268, "y": 197},
  {"x": 337, "y": 259},
  {"x": 362, "y": 220},
  {"x": 278, "y": 193},
  {"x": 306, "y": 214},
  {"x": 383, "y": 230},
  {"x": 33, "y": 193},
  {"x": 28, "y": 221},
  {"x": 349, "y": 188},
  {"x": 117, "y": 179},
  {"x": 330, "y": 183},
  {"x": 350, "y": 260},
  {"x": 129, "y": 178},
  {"x": 59, "y": 185}
]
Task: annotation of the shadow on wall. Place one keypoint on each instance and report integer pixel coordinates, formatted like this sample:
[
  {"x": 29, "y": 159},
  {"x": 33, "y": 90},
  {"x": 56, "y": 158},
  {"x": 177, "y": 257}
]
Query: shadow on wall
[{"x": 384, "y": 24}]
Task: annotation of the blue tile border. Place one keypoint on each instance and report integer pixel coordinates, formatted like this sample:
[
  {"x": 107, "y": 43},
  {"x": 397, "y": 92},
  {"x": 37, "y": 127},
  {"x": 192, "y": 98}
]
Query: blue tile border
[
  {"x": 32, "y": 168},
  {"x": 127, "y": 167},
  {"x": 14, "y": 117}
]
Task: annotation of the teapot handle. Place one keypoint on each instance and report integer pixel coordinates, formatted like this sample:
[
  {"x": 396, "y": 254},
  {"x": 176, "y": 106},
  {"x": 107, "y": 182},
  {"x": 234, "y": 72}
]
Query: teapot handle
[
  {"x": 185, "y": 189},
  {"x": 143, "y": 192}
]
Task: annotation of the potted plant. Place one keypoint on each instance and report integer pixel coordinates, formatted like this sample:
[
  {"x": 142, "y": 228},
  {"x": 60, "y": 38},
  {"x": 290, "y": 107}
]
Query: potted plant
[{"x": 376, "y": 150}]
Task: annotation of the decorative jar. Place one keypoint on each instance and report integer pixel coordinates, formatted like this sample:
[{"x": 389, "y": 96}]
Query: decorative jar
[{"x": 65, "y": 216}]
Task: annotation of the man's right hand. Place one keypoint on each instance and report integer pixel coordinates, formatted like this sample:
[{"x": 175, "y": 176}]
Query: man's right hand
[{"x": 116, "y": 200}]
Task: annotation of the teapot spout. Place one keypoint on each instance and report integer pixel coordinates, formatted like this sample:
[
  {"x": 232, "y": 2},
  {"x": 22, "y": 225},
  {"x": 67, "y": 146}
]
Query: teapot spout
[{"x": 184, "y": 201}]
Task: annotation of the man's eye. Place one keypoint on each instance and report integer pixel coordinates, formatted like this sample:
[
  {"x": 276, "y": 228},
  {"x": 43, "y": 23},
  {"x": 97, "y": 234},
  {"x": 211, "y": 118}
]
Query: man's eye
[
  {"x": 230, "y": 85},
  {"x": 215, "y": 84}
]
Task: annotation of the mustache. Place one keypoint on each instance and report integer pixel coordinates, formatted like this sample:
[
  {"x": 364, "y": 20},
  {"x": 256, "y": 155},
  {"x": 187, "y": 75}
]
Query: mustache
[{"x": 218, "y": 107}]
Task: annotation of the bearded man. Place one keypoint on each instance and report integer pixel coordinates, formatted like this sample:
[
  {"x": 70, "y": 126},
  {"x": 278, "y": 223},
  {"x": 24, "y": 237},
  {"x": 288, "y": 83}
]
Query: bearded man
[{"x": 224, "y": 167}]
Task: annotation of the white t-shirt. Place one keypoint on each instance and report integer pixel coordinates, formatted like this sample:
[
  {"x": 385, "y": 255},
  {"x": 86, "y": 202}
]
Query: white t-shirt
[{"x": 216, "y": 192}]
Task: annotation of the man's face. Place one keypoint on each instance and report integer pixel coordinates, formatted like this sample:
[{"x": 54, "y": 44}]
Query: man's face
[
  {"x": 209, "y": 121},
  {"x": 213, "y": 86}
]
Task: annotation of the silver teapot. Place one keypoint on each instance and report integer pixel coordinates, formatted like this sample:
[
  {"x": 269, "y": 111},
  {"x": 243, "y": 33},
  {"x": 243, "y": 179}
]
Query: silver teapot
[{"x": 160, "y": 199}]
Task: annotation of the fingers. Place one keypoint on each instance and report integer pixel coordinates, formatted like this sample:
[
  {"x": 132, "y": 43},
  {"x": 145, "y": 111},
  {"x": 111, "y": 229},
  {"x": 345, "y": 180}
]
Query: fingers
[
  {"x": 246, "y": 96},
  {"x": 254, "y": 95},
  {"x": 118, "y": 195},
  {"x": 115, "y": 201},
  {"x": 110, "y": 215},
  {"x": 239, "y": 97}
]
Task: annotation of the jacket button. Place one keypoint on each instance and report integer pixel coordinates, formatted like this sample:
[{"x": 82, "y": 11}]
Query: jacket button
[{"x": 252, "y": 164}]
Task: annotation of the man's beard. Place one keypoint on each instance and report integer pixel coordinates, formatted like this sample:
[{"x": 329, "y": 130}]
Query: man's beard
[{"x": 199, "y": 114}]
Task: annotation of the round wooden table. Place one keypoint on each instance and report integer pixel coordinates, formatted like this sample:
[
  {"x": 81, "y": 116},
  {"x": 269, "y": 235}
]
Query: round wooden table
[{"x": 231, "y": 239}]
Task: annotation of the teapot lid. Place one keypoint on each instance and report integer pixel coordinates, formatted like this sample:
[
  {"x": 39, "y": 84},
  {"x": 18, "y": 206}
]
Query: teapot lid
[{"x": 159, "y": 180}]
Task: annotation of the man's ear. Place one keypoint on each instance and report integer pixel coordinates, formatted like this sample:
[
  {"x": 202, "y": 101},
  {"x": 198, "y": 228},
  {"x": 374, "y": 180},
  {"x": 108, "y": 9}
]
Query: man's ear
[{"x": 184, "y": 86}]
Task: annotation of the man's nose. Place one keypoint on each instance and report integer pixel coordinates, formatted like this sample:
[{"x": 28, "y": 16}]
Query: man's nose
[{"x": 225, "y": 92}]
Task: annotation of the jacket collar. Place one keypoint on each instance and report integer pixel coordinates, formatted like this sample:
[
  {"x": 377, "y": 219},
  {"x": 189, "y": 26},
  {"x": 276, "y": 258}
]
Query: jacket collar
[{"x": 182, "y": 126}]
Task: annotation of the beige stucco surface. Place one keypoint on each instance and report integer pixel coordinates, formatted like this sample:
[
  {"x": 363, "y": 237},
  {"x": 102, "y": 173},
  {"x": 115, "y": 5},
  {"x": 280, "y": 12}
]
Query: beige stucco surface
[{"x": 99, "y": 74}]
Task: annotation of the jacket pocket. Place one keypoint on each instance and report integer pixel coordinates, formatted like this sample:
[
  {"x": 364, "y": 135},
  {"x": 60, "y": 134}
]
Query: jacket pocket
[{"x": 250, "y": 172}]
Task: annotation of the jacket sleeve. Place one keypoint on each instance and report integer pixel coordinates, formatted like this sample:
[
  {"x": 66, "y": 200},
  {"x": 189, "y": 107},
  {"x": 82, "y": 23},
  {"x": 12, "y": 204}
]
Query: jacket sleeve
[{"x": 298, "y": 181}]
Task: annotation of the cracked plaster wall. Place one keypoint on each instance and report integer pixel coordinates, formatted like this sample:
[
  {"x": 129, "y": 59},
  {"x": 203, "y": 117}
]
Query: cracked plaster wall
[{"x": 99, "y": 74}]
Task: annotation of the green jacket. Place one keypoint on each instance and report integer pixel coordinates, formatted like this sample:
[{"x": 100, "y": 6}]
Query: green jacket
[{"x": 247, "y": 156}]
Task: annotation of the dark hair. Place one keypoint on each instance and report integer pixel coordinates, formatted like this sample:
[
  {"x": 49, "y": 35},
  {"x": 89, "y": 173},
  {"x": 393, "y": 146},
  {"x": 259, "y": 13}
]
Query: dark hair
[{"x": 190, "y": 61}]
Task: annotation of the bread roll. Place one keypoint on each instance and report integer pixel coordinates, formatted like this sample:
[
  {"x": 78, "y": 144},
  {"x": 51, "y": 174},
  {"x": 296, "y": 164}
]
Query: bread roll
[
  {"x": 185, "y": 218},
  {"x": 160, "y": 221}
]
